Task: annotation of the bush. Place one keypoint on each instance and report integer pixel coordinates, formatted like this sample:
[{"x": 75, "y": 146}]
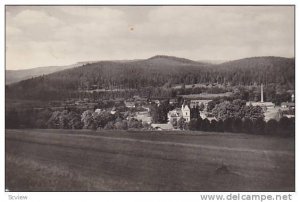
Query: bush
[
  {"x": 220, "y": 126},
  {"x": 109, "y": 126},
  {"x": 205, "y": 125},
  {"x": 121, "y": 125},
  {"x": 213, "y": 125},
  {"x": 271, "y": 127},
  {"x": 227, "y": 125},
  {"x": 237, "y": 125},
  {"x": 134, "y": 123},
  {"x": 193, "y": 124},
  {"x": 259, "y": 126},
  {"x": 286, "y": 126},
  {"x": 247, "y": 126}
]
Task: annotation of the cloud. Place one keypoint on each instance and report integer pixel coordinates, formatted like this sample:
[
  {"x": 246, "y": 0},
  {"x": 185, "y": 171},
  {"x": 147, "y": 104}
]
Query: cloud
[{"x": 59, "y": 35}]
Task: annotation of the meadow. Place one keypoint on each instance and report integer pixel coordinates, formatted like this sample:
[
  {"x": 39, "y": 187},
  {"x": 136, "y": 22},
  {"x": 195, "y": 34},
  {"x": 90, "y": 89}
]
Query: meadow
[{"x": 111, "y": 160}]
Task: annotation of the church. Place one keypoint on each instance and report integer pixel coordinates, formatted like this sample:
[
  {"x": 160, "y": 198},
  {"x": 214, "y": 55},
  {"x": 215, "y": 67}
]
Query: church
[{"x": 183, "y": 112}]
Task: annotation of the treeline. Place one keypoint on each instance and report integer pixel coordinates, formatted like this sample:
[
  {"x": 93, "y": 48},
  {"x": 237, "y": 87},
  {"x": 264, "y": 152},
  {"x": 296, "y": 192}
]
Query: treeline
[
  {"x": 69, "y": 119},
  {"x": 284, "y": 127},
  {"x": 155, "y": 73},
  {"x": 89, "y": 119}
]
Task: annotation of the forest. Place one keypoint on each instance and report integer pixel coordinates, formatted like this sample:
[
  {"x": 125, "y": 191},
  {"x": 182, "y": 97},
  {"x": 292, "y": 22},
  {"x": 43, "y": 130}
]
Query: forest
[{"x": 159, "y": 73}]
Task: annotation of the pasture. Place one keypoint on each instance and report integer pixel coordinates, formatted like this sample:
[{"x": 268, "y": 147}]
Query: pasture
[{"x": 78, "y": 160}]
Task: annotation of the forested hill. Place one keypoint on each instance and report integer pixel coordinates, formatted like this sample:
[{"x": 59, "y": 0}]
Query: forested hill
[
  {"x": 157, "y": 71},
  {"x": 12, "y": 76},
  {"x": 266, "y": 70}
]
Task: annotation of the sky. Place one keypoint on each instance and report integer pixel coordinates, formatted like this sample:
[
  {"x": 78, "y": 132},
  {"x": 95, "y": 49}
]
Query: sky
[{"x": 62, "y": 35}]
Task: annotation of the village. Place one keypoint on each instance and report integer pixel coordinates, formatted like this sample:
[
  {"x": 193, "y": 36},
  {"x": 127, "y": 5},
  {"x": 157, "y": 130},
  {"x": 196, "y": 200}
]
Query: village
[{"x": 139, "y": 108}]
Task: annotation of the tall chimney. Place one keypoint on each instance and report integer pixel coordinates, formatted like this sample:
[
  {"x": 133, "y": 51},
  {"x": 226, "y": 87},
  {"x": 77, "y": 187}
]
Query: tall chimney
[{"x": 261, "y": 93}]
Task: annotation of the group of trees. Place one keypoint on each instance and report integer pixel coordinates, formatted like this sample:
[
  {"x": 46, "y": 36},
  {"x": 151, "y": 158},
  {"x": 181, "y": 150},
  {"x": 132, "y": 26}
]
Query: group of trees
[
  {"x": 69, "y": 119},
  {"x": 159, "y": 113},
  {"x": 237, "y": 109},
  {"x": 89, "y": 119},
  {"x": 284, "y": 127}
]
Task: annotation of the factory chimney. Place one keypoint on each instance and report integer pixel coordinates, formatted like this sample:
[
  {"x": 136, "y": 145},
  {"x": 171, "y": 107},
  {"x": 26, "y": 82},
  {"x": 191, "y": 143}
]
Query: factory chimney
[{"x": 261, "y": 93}]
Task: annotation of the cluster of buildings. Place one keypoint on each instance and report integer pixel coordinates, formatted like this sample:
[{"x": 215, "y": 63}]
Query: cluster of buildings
[{"x": 184, "y": 112}]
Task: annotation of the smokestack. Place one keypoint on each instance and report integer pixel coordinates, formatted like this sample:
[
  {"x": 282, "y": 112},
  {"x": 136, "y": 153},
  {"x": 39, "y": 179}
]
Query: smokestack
[{"x": 261, "y": 93}]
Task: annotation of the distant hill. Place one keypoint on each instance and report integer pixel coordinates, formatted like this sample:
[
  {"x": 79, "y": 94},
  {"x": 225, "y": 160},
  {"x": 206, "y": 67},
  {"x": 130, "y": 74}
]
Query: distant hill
[
  {"x": 278, "y": 70},
  {"x": 155, "y": 72},
  {"x": 13, "y": 76}
]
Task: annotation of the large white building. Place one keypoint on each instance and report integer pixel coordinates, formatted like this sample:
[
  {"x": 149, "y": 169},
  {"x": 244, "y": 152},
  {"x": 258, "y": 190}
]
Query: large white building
[
  {"x": 186, "y": 113},
  {"x": 176, "y": 114},
  {"x": 195, "y": 103}
]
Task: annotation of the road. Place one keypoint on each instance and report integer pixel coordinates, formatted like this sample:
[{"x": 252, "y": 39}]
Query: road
[{"x": 65, "y": 160}]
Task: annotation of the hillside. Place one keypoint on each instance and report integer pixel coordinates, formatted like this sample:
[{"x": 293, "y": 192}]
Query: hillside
[
  {"x": 13, "y": 76},
  {"x": 154, "y": 72},
  {"x": 266, "y": 70}
]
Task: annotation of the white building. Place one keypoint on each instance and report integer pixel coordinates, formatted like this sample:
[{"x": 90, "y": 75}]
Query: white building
[
  {"x": 195, "y": 103},
  {"x": 176, "y": 114},
  {"x": 186, "y": 113}
]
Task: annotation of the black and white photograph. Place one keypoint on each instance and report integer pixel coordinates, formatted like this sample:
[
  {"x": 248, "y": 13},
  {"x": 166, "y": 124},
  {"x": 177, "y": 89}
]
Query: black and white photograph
[{"x": 149, "y": 98}]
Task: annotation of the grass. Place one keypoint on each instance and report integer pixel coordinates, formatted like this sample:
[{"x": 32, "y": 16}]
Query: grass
[{"x": 76, "y": 160}]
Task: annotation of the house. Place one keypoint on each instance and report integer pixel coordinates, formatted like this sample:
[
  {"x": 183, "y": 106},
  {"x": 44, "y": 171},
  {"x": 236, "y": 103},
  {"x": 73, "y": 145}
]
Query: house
[
  {"x": 144, "y": 117},
  {"x": 174, "y": 115},
  {"x": 263, "y": 105},
  {"x": 165, "y": 126},
  {"x": 195, "y": 103},
  {"x": 173, "y": 101},
  {"x": 98, "y": 111},
  {"x": 157, "y": 102},
  {"x": 113, "y": 110},
  {"x": 129, "y": 104},
  {"x": 183, "y": 112}
]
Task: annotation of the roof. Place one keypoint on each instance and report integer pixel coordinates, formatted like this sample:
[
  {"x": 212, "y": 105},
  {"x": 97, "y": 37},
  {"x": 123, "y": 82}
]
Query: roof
[
  {"x": 290, "y": 104},
  {"x": 166, "y": 126}
]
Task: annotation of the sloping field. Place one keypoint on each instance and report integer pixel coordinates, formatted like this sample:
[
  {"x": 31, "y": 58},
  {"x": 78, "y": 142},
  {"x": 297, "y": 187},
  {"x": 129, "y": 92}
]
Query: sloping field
[{"x": 66, "y": 160}]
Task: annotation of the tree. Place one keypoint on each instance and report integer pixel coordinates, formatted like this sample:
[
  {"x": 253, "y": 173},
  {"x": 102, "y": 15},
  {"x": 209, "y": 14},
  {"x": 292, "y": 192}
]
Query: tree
[
  {"x": 102, "y": 118},
  {"x": 237, "y": 125},
  {"x": 259, "y": 126},
  {"x": 201, "y": 107},
  {"x": 227, "y": 125},
  {"x": 195, "y": 113},
  {"x": 88, "y": 120},
  {"x": 180, "y": 123},
  {"x": 193, "y": 124},
  {"x": 11, "y": 119},
  {"x": 205, "y": 125},
  {"x": 121, "y": 125},
  {"x": 286, "y": 126},
  {"x": 211, "y": 105},
  {"x": 63, "y": 120},
  {"x": 42, "y": 117},
  {"x": 109, "y": 125},
  {"x": 213, "y": 125},
  {"x": 253, "y": 112},
  {"x": 220, "y": 126},
  {"x": 227, "y": 109},
  {"x": 54, "y": 120},
  {"x": 134, "y": 123},
  {"x": 271, "y": 127},
  {"x": 247, "y": 125}
]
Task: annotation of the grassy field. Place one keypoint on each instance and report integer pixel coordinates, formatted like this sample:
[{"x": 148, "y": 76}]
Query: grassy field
[{"x": 67, "y": 160}]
